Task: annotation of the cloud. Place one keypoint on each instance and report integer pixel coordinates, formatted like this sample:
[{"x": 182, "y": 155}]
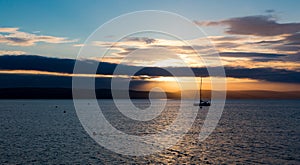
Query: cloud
[
  {"x": 11, "y": 52},
  {"x": 14, "y": 37},
  {"x": 289, "y": 44},
  {"x": 270, "y": 11},
  {"x": 288, "y": 48},
  {"x": 252, "y": 55},
  {"x": 235, "y": 50},
  {"x": 141, "y": 39},
  {"x": 227, "y": 45},
  {"x": 36, "y": 32},
  {"x": 226, "y": 38},
  {"x": 266, "y": 74},
  {"x": 127, "y": 42},
  {"x": 160, "y": 52},
  {"x": 78, "y": 45},
  {"x": 38, "y": 63},
  {"x": 260, "y": 25},
  {"x": 8, "y": 30},
  {"x": 294, "y": 58},
  {"x": 293, "y": 39}
]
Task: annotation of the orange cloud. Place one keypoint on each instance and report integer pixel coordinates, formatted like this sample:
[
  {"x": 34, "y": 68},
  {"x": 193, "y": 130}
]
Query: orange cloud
[
  {"x": 19, "y": 38},
  {"x": 11, "y": 52}
]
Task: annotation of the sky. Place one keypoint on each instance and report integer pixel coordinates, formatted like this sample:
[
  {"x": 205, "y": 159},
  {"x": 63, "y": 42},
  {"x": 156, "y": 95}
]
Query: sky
[{"x": 258, "y": 40}]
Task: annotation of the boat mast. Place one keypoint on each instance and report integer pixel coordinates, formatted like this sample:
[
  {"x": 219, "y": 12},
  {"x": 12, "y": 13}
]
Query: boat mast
[{"x": 201, "y": 89}]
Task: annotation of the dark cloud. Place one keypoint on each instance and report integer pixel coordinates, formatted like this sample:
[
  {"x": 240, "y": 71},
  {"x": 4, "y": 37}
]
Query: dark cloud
[
  {"x": 16, "y": 39},
  {"x": 293, "y": 44},
  {"x": 29, "y": 62},
  {"x": 293, "y": 57},
  {"x": 266, "y": 74},
  {"x": 40, "y": 63},
  {"x": 264, "y": 57},
  {"x": 227, "y": 38},
  {"x": 227, "y": 45},
  {"x": 39, "y": 81},
  {"x": 141, "y": 39},
  {"x": 266, "y": 42},
  {"x": 46, "y": 81},
  {"x": 260, "y": 25},
  {"x": 290, "y": 43},
  {"x": 270, "y": 11},
  {"x": 250, "y": 54},
  {"x": 293, "y": 39},
  {"x": 287, "y": 47}
]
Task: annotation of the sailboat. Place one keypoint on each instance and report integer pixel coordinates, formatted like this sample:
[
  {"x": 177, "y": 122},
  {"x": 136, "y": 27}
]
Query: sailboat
[{"x": 202, "y": 103}]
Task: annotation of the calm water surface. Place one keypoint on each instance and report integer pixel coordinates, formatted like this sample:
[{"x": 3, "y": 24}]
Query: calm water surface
[{"x": 249, "y": 132}]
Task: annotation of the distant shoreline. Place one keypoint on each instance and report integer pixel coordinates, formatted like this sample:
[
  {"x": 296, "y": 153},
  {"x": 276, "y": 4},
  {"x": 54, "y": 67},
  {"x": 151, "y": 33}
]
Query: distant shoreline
[{"x": 66, "y": 93}]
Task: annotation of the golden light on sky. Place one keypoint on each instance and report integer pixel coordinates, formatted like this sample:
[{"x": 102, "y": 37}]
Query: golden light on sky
[
  {"x": 264, "y": 55},
  {"x": 170, "y": 84}
]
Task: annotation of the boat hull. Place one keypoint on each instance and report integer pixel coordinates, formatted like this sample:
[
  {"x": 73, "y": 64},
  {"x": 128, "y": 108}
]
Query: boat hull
[{"x": 202, "y": 104}]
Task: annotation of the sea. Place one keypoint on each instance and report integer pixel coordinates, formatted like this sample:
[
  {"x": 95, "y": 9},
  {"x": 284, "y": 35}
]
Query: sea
[{"x": 248, "y": 132}]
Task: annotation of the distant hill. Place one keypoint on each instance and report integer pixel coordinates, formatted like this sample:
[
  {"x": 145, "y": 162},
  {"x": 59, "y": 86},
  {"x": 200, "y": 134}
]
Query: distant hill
[
  {"x": 66, "y": 93},
  {"x": 261, "y": 94},
  {"x": 255, "y": 94}
]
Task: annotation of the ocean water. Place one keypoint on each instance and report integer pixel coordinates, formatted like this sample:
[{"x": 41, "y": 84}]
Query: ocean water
[{"x": 249, "y": 132}]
